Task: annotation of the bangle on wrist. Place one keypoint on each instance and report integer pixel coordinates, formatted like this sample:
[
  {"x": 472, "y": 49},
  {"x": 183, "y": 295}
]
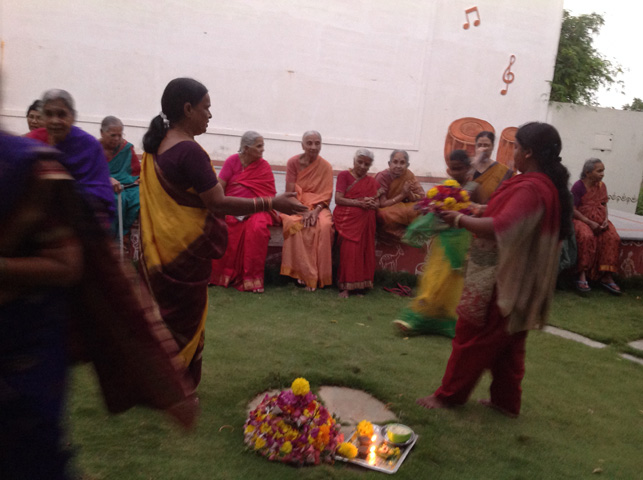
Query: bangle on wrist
[
  {"x": 254, "y": 201},
  {"x": 456, "y": 222}
]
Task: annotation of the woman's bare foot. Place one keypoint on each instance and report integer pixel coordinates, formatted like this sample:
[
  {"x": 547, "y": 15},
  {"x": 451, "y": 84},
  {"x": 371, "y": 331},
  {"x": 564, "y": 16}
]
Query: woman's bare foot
[
  {"x": 310, "y": 289},
  {"x": 343, "y": 294},
  {"x": 488, "y": 403},
  {"x": 431, "y": 402},
  {"x": 258, "y": 290}
]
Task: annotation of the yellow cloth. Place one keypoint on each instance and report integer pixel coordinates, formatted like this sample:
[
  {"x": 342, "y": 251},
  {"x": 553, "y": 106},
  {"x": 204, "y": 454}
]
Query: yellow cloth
[
  {"x": 178, "y": 241},
  {"x": 440, "y": 285},
  {"x": 490, "y": 180}
]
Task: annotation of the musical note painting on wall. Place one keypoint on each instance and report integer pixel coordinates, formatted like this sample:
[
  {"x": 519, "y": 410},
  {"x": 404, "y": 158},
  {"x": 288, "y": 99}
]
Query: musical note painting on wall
[{"x": 476, "y": 22}]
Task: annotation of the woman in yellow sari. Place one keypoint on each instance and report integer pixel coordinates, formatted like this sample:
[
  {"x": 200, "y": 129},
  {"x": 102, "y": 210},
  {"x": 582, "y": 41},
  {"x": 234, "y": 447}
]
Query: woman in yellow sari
[
  {"x": 488, "y": 173},
  {"x": 182, "y": 211}
]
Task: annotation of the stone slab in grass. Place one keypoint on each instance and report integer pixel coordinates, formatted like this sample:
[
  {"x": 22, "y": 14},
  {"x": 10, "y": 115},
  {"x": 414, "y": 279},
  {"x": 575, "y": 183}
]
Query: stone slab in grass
[{"x": 352, "y": 406}]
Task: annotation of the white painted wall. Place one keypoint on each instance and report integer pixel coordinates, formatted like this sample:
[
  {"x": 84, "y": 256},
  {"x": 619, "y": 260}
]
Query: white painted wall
[
  {"x": 377, "y": 73},
  {"x": 614, "y": 136}
]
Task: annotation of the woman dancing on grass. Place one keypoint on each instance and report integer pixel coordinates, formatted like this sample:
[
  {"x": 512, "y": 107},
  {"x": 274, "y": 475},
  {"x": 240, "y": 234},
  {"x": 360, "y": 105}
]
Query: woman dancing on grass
[{"x": 510, "y": 278}]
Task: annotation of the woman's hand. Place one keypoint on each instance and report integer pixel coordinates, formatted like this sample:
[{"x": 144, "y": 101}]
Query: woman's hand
[
  {"x": 449, "y": 216},
  {"x": 605, "y": 225},
  {"x": 595, "y": 226},
  {"x": 481, "y": 156},
  {"x": 478, "y": 209},
  {"x": 288, "y": 204},
  {"x": 116, "y": 185},
  {"x": 371, "y": 203},
  {"x": 309, "y": 218}
]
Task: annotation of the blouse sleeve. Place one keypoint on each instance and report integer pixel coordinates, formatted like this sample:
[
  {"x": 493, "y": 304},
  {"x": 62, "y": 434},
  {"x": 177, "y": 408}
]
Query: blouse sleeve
[
  {"x": 227, "y": 171},
  {"x": 198, "y": 169},
  {"x": 578, "y": 190},
  {"x": 292, "y": 170},
  {"x": 342, "y": 181}
]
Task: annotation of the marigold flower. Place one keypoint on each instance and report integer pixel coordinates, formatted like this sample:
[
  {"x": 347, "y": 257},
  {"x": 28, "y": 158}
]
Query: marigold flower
[
  {"x": 249, "y": 429},
  {"x": 260, "y": 443},
  {"x": 432, "y": 192},
  {"x": 286, "y": 448},
  {"x": 465, "y": 195},
  {"x": 300, "y": 386},
  {"x": 347, "y": 450},
  {"x": 365, "y": 428},
  {"x": 451, "y": 183},
  {"x": 449, "y": 202}
]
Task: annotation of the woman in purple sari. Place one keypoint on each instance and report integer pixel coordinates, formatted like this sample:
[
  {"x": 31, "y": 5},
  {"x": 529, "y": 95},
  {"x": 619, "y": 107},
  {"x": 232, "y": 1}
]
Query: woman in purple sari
[{"x": 83, "y": 155}]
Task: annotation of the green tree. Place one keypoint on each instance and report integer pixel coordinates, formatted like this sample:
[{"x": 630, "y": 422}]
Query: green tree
[
  {"x": 580, "y": 68},
  {"x": 636, "y": 105}
]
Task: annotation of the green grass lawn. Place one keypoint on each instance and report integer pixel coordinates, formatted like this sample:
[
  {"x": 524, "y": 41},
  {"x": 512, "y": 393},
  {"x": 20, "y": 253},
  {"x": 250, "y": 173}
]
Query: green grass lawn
[
  {"x": 601, "y": 316},
  {"x": 582, "y": 407}
]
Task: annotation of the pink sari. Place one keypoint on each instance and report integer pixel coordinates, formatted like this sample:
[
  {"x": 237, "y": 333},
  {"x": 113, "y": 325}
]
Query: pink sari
[{"x": 242, "y": 265}]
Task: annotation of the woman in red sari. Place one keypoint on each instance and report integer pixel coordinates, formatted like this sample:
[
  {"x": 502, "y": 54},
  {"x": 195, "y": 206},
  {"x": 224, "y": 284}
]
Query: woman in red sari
[
  {"x": 511, "y": 274},
  {"x": 597, "y": 239},
  {"x": 354, "y": 216},
  {"x": 247, "y": 175}
]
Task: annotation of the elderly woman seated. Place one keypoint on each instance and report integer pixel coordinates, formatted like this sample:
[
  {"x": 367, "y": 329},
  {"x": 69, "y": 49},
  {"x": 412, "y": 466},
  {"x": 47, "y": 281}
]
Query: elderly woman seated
[
  {"x": 399, "y": 190},
  {"x": 597, "y": 240},
  {"x": 246, "y": 174},
  {"x": 83, "y": 155},
  {"x": 354, "y": 217},
  {"x": 124, "y": 169}
]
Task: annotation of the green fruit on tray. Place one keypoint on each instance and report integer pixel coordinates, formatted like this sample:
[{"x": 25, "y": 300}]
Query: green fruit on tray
[{"x": 398, "y": 433}]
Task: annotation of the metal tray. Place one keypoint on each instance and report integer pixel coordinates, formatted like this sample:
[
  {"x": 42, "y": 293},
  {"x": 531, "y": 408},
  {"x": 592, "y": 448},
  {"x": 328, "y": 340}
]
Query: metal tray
[{"x": 380, "y": 464}]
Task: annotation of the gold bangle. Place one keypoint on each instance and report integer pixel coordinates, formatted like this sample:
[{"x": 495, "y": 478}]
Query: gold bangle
[
  {"x": 269, "y": 203},
  {"x": 254, "y": 201},
  {"x": 456, "y": 222}
]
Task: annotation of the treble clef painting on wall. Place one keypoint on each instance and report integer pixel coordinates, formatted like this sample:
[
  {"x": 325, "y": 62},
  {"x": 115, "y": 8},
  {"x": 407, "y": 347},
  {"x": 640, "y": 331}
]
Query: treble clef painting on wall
[{"x": 508, "y": 76}]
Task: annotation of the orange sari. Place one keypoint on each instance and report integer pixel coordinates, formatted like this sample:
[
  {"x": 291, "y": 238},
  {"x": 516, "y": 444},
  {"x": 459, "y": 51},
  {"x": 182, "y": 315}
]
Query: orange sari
[
  {"x": 307, "y": 252},
  {"x": 393, "y": 220}
]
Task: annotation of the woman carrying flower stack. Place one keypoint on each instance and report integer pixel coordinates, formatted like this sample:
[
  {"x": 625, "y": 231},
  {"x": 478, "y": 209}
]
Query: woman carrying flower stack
[
  {"x": 511, "y": 273},
  {"x": 354, "y": 217},
  {"x": 432, "y": 311}
]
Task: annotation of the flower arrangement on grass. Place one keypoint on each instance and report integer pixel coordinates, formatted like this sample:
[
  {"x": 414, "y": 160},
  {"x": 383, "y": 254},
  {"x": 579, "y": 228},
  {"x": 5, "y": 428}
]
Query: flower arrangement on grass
[
  {"x": 293, "y": 427},
  {"x": 448, "y": 196}
]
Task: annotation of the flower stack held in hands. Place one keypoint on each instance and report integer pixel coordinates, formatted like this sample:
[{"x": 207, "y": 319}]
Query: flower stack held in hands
[
  {"x": 448, "y": 196},
  {"x": 293, "y": 427}
]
